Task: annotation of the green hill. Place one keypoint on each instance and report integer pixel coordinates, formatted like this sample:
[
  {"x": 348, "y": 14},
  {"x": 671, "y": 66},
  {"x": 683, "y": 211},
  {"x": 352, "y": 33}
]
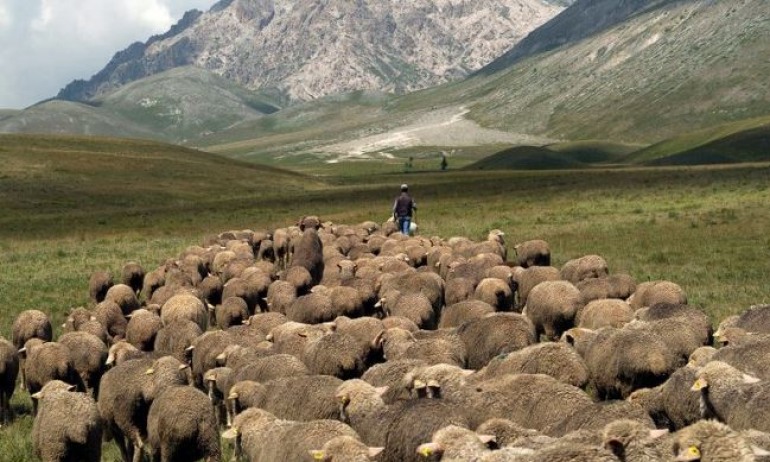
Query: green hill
[{"x": 82, "y": 182}]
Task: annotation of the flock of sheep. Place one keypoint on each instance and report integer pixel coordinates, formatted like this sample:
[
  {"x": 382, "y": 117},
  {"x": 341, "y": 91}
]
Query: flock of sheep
[{"x": 334, "y": 342}]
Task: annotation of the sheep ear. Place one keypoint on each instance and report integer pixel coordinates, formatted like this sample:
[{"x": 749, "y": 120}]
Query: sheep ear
[
  {"x": 429, "y": 449},
  {"x": 374, "y": 452},
  {"x": 183, "y": 366},
  {"x": 750, "y": 379},
  {"x": 37, "y": 395},
  {"x": 699, "y": 385},
  {"x": 655, "y": 434},
  {"x": 486, "y": 439},
  {"x": 149, "y": 371},
  {"x": 230, "y": 434},
  {"x": 318, "y": 454},
  {"x": 759, "y": 452}
]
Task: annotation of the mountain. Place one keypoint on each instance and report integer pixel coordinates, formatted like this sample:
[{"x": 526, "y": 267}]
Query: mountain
[{"x": 306, "y": 49}]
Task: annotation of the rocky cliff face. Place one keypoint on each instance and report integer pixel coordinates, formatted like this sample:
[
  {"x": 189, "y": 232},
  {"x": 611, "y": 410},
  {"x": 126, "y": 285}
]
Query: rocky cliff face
[{"x": 307, "y": 49}]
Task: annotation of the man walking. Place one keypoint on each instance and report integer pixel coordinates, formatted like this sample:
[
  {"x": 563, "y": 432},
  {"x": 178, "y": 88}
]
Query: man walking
[{"x": 403, "y": 208}]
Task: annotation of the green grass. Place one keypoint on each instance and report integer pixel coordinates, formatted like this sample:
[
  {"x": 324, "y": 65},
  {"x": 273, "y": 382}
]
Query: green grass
[{"x": 74, "y": 205}]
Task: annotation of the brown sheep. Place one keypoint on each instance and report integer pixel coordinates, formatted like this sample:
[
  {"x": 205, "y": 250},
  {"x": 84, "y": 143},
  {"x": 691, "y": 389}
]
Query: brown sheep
[
  {"x": 89, "y": 355},
  {"x": 300, "y": 398},
  {"x": 389, "y": 377},
  {"x": 413, "y": 306},
  {"x": 45, "y": 362},
  {"x": 122, "y": 351},
  {"x": 622, "y": 360},
  {"x": 345, "y": 448},
  {"x": 126, "y": 393},
  {"x": 556, "y": 359},
  {"x": 233, "y": 311},
  {"x": 142, "y": 329},
  {"x": 109, "y": 315},
  {"x": 461, "y": 312},
  {"x": 552, "y": 307},
  {"x": 9, "y": 371},
  {"x": 653, "y": 292},
  {"x": 174, "y": 339},
  {"x": 336, "y": 354},
  {"x": 613, "y": 286},
  {"x": 27, "y": 325},
  {"x": 535, "y": 252},
  {"x": 709, "y": 440},
  {"x": 495, "y": 334},
  {"x": 456, "y": 444},
  {"x": 280, "y": 296},
  {"x": 527, "y": 279},
  {"x": 605, "y": 312},
  {"x": 181, "y": 426},
  {"x": 153, "y": 281},
  {"x": 184, "y": 306},
  {"x": 68, "y": 425},
  {"x": 459, "y": 290},
  {"x": 434, "y": 347},
  {"x": 132, "y": 275},
  {"x": 124, "y": 296},
  {"x": 211, "y": 290},
  {"x": 595, "y": 416},
  {"x": 98, "y": 284},
  {"x": 632, "y": 440},
  {"x": 308, "y": 252},
  {"x": 496, "y": 292},
  {"x": 300, "y": 278},
  {"x": 585, "y": 267}
]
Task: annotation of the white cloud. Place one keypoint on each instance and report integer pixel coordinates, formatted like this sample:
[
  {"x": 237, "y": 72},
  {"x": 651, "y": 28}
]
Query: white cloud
[{"x": 45, "y": 44}]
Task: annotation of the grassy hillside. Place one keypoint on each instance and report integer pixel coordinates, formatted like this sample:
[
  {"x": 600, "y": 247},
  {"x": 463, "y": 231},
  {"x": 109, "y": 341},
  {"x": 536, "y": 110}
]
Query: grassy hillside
[
  {"x": 63, "y": 184},
  {"x": 75, "y": 205}
]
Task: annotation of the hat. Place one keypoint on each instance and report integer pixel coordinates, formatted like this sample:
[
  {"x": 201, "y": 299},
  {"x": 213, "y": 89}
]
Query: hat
[{"x": 404, "y": 187}]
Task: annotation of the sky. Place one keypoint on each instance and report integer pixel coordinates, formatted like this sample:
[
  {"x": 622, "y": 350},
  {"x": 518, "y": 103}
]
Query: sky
[{"x": 45, "y": 44}]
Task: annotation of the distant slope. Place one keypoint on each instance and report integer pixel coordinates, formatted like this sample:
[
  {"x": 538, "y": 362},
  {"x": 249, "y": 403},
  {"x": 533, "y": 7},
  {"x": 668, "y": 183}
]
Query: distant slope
[
  {"x": 84, "y": 178},
  {"x": 173, "y": 106},
  {"x": 746, "y": 141},
  {"x": 526, "y": 158}
]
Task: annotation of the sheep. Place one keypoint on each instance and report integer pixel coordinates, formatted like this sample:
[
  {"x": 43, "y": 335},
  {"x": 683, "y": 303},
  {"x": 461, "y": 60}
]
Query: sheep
[
  {"x": 594, "y": 417},
  {"x": 98, "y": 284},
  {"x": 308, "y": 252},
  {"x": 619, "y": 286},
  {"x": 555, "y": 359},
  {"x": 709, "y": 440},
  {"x": 389, "y": 375},
  {"x": 184, "y": 306},
  {"x": 552, "y": 306},
  {"x": 300, "y": 278},
  {"x": 435, "y": 381},
  {"x": 109, "y": 315},
  {"x": 739, "y": 400},
  {"x": 27, "y": 325},
  {"x": 459, "y": 290},
  {"x": 214, "y": 381},
  {"x": 558, "y": 451},
  {"x": 76, "y": 318},
  {"x": 527, "y": 278},
  {"x": 459, "y": 313},
  {"x": 496, "y": 292},
  {"x": 89, "y": 355},
  {"x": 142, "y": 328},
  {"x": 336, "y": 354},
  {"x": 233, "y": 311},
  {"x": 399, "y": 322},
  {"x": 428, "y": 284},
  {"x": 263, "y": 323},
  {"x": 313, "y": 308},
  {"x": 182, "y": 426},
  {"x": 280, "y": 296},
  {"x": 495, "y": 334},
  {"x": 585, "y": 267},
  {"x": 9, "y": 371},
  {"x": 300, "y": 398},
  {"x": 682, "y": 335},
  {"x": 31, "y": 324},
  {"x": 413, "y": 306},
  {"x": 281, "y": 247},
  {"x": 132, "y": 275},
  {"x": 261, "y": 436},
  {"x": 153, "y": 280},
  {"x": 174, "y": 338},
  {"x": 345, "y": 448},
  {"x": 434, "y": 347},
  {"x": 68, "y": 425},
  {"x": 269, "y": 368},
  {"x": 755, "y": 319},
  {"x": 535, "y": 252},
  {"x": 456, "y": 444},
  {"x": 45, "y": 362},
  {"x": 631, "y": 440},
  {"x": 505, "y": 431},
  {"x": 605, "y": 312},
  {"x": 126, "y": 393},
  {"x": 211, "y": 290},
  {"x": 536, "y": 401},
  {"x": 622, "y": 360},
  {"x": 122, "y": 351},
  {"x": 653, "y": 292},
  {"x": 124, "y": 296},
  {"x": 750, "y": 355}
]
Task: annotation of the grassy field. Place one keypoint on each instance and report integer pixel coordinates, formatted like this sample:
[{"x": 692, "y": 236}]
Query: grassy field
[{"x": 70, "y": 206}]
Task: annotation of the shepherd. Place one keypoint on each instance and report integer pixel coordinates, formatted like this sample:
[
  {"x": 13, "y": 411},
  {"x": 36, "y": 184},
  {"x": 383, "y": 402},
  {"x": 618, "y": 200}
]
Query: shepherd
[{"x": 403, "y": 209}]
